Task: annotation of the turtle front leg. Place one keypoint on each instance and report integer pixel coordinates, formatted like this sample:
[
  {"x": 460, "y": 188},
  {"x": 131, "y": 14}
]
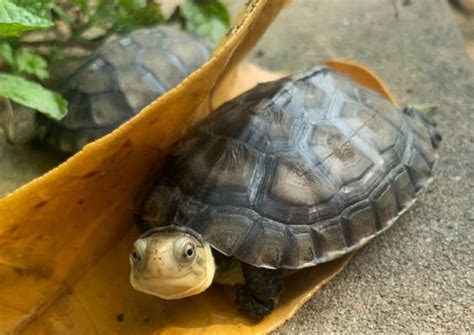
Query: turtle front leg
[{"x": 261, "y": 292}]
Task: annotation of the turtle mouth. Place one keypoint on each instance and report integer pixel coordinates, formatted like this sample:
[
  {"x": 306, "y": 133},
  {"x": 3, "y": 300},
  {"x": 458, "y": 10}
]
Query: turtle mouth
[{"x": 173, "y": 228}]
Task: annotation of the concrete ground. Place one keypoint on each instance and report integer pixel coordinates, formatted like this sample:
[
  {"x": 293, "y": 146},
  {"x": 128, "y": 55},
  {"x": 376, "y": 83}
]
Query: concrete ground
[
  {"x": 418, "y": 276},
  {"x": 465, "y": 19}
]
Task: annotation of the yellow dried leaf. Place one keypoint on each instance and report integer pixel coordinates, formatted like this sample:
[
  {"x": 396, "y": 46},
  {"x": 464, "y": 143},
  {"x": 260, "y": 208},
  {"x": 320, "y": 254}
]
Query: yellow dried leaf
[
  {"x": 64, "y": 238},
  {"x": 362, "y": 75}
]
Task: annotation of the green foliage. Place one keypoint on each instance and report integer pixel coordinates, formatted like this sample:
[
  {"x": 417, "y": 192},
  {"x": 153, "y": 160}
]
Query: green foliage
[
  {"x": 133, "y": 4},
  {"x": 120, "y": 16},
  {"x": 24, "y": 62},
  {"x": 33, "y": 95},
  {"x": 18, "y": 16},
  {"x": 40, "y": 8},
  {"x": 87, "y": 25},
  {"x": 32, "y": 64},
  {"x": 83, "y": 5},
  {"x": 135, "y": 17},
  {"x": 6, "y": 53},
  {"x": 206, "y": 18}
]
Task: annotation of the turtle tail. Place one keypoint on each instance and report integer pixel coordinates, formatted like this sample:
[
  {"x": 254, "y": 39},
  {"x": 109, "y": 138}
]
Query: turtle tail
[{"x": 430, "y": 125}]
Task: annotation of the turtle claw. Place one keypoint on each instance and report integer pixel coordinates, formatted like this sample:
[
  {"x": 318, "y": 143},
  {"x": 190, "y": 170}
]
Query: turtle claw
[
  {"x": 253, "y": 307},
  {"x": 259, "y": 295}
]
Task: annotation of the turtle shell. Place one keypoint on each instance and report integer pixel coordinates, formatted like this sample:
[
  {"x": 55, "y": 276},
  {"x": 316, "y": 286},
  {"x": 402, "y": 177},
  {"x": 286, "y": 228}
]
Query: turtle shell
[
  {"x": 295, "y": 172},
  {"x": 121, "y": 78}
]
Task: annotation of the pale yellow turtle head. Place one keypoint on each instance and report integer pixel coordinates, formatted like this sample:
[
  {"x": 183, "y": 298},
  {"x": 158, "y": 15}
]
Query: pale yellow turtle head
[{"x": 171, "y": 263}]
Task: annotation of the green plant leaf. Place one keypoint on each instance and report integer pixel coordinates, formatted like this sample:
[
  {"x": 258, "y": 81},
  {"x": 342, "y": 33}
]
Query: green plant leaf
[
  {"x": 133, "y": 4},
  {"x": 206, "y": 18},
  {"x": 104, "y": 15},
  {"x": 83, "y": 5},
  {"x": 41, "y": 8},
  {"x": 19, "y": 16},
  {"x": 33, "y": 95},
  {"x": 63, "y": 14},
  {"x": 128, "y": 20},
  {"x": 30, "y": 63},
  {"x": 23, "y": 61},
  {"x": 6, "y": 53}
]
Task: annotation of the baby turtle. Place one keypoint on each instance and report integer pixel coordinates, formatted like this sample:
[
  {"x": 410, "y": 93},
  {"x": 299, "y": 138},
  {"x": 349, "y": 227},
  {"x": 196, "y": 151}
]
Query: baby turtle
[
  {"x": 290, "y": 174},
  {"x": 113, "y": 85}
]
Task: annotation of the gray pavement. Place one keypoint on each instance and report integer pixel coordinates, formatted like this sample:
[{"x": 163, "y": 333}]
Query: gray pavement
[{"x": 418, "y": 276}]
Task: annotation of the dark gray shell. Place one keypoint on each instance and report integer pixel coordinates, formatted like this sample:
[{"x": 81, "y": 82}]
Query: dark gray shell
[
  {"x": 296, "y": 172},
  {"x": 121, "y": 78}
]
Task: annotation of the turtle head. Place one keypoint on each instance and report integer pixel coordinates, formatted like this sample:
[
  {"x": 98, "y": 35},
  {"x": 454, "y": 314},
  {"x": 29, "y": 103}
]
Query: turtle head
[{"x": 171, "y": 263}]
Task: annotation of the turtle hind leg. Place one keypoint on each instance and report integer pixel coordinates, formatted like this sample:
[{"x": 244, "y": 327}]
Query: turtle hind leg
[{"x": 261, "y": 292}]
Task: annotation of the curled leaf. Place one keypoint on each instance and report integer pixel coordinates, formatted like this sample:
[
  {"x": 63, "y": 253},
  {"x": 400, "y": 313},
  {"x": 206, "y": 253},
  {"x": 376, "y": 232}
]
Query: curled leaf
[
  {"x": 64, "y": 238},
  {"x": 57, "y": 228}
]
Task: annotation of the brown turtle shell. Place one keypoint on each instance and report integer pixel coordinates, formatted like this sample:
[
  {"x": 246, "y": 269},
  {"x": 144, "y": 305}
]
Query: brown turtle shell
[
  {"x": 296, "y": 172},
  {"x": 121, "y": 78}
]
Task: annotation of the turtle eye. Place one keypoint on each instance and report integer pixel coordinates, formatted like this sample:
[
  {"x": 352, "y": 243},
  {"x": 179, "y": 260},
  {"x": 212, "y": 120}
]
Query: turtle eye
[
  {"x": 138, "y": 251},
  {"x": 188, "y": 254},
  {"x": 185, "y": 252},
  {"x": 189, "y": 251},
  {"x": 136, "y": 256}
]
